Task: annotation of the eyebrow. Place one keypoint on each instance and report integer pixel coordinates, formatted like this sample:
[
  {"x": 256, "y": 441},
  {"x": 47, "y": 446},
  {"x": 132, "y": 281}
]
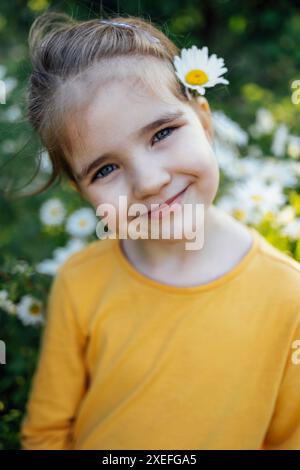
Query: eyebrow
[{"x": 164, "y": 119}]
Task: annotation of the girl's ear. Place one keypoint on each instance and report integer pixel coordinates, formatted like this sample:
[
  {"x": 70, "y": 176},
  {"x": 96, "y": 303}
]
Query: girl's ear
[{"x": 202, "y": 109}]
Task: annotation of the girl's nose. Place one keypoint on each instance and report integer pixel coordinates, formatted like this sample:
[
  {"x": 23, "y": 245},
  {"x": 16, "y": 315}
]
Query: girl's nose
[{"x": 148, "y": 180}]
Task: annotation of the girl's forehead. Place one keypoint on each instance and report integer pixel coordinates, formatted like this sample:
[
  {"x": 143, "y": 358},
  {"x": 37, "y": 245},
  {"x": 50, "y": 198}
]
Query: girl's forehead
[
  {"x": 122, "y": 102},
  {"x": 118, "y": 104},
  {"x": 139, "y": 78}
]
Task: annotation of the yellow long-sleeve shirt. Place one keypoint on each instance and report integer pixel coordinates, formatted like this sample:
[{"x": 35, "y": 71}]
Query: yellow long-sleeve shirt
[{"x": 130, "y": 363}]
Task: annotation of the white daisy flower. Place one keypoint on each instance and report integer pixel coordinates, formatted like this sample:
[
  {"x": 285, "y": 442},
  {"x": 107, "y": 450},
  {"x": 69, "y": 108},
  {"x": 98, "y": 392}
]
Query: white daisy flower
[
  {"x": 255, "y": 194},
  {"x": 6, "y": 304},
  {"x": 81, "y": 223},
  {"x": 228, "y": 130},
  {"x": 286, "y": 215},
  {"x": 227, "y": 158},
  {"x": 29, "y": 310},
  {"x": 75, "y": 244},
  {"x": 293, "y": 148},
  {"x": 60, "y": 255},
  {"x": 250, "y": 201},
  {"x": 20, "y": 267},
  {"x": 292, "y": 229},
  {"x": 280, "y": 140},
  {"x": 232, "y": 166},
  {"x": 233, "y": 207},
  {"x": 52, "y": 212},
  {"x": 264, "y": 123},
  {"x": 10, "y": 307},
  {"x": 247, "y": 167},
  {"x": 197, "y": 71},
  {"x": 280, "y": 172},
  {"x": 295, "y": 167},
  {"x": 48, "y": 266},
  {"x": 3, "y": 295}
]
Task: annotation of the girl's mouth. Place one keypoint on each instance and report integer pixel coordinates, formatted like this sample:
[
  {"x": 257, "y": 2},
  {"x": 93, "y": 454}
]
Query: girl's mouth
[{"x": 155, "y": 214}]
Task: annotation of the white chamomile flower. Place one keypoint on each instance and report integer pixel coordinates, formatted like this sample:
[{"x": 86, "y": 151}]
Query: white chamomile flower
[
  {"x": 280, "y": 140},
  {"x": 256, "y": 195},
  {"x": 30, "y": 311},
  {"x": 292, "y": 229},
  {"x": 3, "y": 295},
  {"x": 6, "y": 304},
  {"x": 81, "y": 223},
  {"x": 286, "y": 215},
  {"x": 52, "y": 212},
  {"x": 264, "y": 123},
  {"x": 60, "y": 255},
  {"x": 293, "y": 149},
  {"x": 197, "y": 71},
  {"x": 74, "y": 245},
  {"x": 48, "y": 266},
  {"x": 251, "y": 200},
  {"x": 280, "y": 172},
  {"x": 228, "y": 130},
  {"x": 230, "y": 205}
]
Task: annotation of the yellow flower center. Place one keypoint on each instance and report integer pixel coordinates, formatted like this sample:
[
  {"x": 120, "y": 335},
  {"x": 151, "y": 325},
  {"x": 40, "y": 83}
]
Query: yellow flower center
[
  {"x": 239, "y": 214},
  {"x": 256, "y": 198},
  {"x": 35, "y": 309},
  {"x": 82, "y": 222},
  {"x": 196, "y": 77}
]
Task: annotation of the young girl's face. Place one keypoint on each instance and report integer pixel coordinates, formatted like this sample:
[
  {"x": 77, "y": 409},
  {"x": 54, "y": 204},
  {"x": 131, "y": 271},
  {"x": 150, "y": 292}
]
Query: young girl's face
[{"x": 122, "y": 153}]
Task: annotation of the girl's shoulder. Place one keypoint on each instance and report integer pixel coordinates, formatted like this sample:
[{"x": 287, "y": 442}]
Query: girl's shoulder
[
  {"x": 82, "y": 280},
  {"x": 277, "y": 274},
  {"x": 279, "y": 260},
  {"x": 91, "y": 266},
  {"x": 88, "y": 255}
]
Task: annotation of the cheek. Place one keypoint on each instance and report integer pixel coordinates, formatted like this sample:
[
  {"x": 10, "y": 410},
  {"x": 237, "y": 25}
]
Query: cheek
[
  {"x": 200, "y": 161},
  {"x": 106, "y": 194},
  {"x": 195, "y": 153},
  {"x": 209, "y": 181},
  {"x": 94, "y": 195},
  {"x": 202, "y": 164}
]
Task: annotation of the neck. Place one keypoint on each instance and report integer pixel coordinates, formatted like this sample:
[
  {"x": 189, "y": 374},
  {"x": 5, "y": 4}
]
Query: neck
[{"x": 169, "y": 255}]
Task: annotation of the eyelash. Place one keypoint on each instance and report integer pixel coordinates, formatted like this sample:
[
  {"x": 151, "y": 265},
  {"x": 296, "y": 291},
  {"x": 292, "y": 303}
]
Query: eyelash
[{"x": 173, "y": 128}]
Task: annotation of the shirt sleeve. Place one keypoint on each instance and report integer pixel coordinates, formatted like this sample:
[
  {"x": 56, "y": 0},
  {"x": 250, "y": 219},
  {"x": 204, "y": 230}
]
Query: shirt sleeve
[
  {"x": 284, "y": 430},
  {"x": 59, "y": 382}
]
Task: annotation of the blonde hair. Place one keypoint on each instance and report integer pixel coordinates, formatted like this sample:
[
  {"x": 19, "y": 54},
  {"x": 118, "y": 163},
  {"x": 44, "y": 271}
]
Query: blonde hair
[{"x": 65, "y": 51}]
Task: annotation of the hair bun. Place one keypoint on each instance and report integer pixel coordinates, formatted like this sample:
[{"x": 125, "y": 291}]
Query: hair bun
[{"x": 43, "y": 26}]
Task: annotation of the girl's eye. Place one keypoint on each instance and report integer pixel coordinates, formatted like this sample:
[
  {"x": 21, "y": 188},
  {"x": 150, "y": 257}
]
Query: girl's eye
[
  {"x": 163, "y": 130},
  {"x": 105, "y": 170}
]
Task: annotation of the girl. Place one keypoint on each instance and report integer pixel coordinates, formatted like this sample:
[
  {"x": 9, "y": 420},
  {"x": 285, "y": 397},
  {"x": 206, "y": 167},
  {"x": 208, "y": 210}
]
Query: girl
[{"x": 149, "y": 345}]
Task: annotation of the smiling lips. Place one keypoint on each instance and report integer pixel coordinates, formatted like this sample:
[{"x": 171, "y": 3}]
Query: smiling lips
[{"x": 167, "y": 203}]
